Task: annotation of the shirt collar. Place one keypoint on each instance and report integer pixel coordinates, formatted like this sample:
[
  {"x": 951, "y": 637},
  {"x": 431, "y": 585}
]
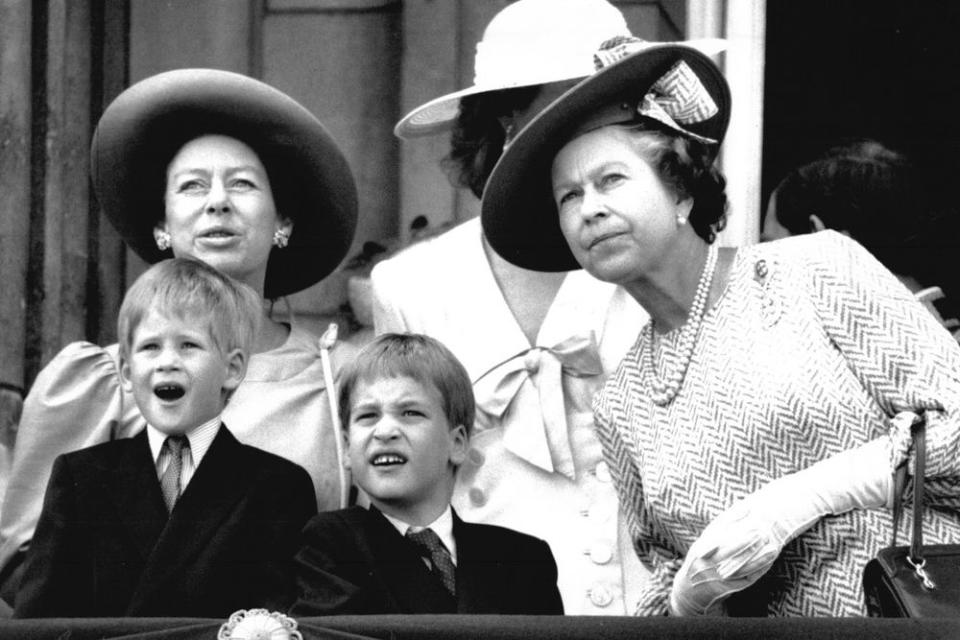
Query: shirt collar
[
  {"x": 442, "y": 526},
  {"x": 200, "y": 439}
]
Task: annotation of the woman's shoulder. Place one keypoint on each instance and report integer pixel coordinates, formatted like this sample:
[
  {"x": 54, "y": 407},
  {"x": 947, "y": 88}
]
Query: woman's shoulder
[
  {"x": 82, "y": 363},
  {"x": 798, "y": 258},
  {"x": 299, "y": 356},
  {"x": 809, "y": 247},
  {"x": 81, "y": 381}
]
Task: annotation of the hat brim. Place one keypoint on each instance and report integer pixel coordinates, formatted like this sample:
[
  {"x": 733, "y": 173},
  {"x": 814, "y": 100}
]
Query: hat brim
[
  {"x": 518, "y": 213},
  {"x": 438, "y": 114},
  {"x": 144, "y": 127}
]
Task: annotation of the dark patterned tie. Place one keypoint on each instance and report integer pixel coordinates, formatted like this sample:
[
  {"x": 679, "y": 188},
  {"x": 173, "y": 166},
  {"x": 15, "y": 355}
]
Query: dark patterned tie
[
  {"x": 431, "y": 548},
  {"x": 170, "y": 480}
]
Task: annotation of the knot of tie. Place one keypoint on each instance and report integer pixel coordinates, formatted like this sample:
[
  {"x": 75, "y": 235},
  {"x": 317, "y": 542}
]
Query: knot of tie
[
  {"x": 430, "y": 547},
  {"x": 170, "y": 480}
]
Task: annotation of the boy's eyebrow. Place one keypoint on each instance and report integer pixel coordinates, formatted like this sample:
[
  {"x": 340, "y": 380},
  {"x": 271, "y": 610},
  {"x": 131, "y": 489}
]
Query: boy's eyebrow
[{"x": 370, "y": 404}]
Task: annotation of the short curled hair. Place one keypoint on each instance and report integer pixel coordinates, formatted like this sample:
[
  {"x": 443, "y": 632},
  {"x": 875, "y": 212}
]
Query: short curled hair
[
  {"x": 686, "y": 167},
  {"x": 877, "y": 196},
  {"x": 185, "y": 288},
  {"x": 416, "y": 356},
  {"x": 476, "y": 141},
  {"x": 862, "y": 188}
]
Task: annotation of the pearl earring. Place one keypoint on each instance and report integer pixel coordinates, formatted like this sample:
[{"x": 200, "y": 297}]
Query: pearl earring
[
  {"x": 162, "y": 238},
  {"x": 681, "y": 220},
  {"x": 281, "y": 238}
]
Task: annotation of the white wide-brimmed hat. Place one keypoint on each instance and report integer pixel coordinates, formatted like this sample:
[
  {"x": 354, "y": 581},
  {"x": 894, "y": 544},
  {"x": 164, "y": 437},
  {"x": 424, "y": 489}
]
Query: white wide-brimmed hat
[{"x": 530, "y": 42}]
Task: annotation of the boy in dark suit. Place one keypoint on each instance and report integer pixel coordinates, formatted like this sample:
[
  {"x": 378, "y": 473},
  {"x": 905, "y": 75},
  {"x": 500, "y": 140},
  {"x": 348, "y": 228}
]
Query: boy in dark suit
[
  {"x": 408, "y": 406},
  {"x": 182, "y": 519}
]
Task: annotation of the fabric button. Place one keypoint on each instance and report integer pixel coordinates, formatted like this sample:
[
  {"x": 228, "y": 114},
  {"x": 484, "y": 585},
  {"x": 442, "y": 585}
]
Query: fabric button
[
  {"x": 532, "y": 360},
  {"x": 600, "y": 553},
  {"x": 478, "y": 497},
  {"x": 476, "y": 457},
  {"x": 602, "y": 471},
  {"x": 600, "y": 595}
]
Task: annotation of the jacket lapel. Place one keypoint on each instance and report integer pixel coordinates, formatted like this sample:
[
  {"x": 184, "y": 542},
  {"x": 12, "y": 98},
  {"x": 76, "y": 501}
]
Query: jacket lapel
[
  {"x": 406, "y": 578},
  {"x": 136, "y": 494},
  {"x": 218, "y": 484},
  {"x": 477, "y": 571}
]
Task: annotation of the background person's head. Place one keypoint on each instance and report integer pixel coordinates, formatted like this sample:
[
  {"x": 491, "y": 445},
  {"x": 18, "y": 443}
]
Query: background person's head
[
  {"x": 486, "y": 123},
  {"x": 530, "y": 53},
  {"x": 876, "y": 196},
  {"x": 186, "y": 331},
  {"x": 408, "y": 409},
  {"x": 302, "y": 210},
  {"x": 862, "y": 188}
]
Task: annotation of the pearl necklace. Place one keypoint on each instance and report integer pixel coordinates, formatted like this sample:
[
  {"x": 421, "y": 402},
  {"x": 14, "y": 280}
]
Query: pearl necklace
[{"x": 662, "y": 392}]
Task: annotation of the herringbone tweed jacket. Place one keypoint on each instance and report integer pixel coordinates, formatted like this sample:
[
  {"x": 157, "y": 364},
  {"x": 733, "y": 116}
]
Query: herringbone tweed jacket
[{"x": 810, "y": 350}]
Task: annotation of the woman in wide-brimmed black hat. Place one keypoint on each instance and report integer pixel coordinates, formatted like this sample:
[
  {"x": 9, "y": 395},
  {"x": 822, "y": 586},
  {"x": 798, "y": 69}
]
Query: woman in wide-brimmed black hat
[
  {"x": 226, "y": 169},
  {"x": 753, "y": 427}
]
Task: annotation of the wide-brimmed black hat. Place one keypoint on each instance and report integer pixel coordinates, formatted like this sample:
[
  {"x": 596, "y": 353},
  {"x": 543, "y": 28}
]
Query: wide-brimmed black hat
[
  {"x": 636, "y": 80},
  {"x": 145, "y": 126}
]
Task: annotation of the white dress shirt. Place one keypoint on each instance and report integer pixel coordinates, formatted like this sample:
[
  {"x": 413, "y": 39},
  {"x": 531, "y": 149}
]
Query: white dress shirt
[{"x": 200, "y": 439}]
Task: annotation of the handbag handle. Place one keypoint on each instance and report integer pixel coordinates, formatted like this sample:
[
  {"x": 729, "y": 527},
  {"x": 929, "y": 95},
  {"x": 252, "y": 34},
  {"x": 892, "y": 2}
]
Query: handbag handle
[{"x": 919, "y": 435}]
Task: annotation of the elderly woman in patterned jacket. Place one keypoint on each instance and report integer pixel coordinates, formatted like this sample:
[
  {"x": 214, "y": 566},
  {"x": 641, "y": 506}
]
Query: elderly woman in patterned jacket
[{"x": 752, "y": 429}]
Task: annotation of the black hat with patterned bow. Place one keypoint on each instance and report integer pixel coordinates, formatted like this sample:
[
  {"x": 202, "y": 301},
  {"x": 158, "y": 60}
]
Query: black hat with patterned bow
[{"x": 673, "y": 84}]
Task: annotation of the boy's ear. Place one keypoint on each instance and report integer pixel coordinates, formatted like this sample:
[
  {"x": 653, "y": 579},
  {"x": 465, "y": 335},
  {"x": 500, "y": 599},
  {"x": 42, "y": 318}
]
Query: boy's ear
[
  {"x": 125, "y": 381},
  {"x": 236, "y": 362},
  {"x": 459, "y": 444}
]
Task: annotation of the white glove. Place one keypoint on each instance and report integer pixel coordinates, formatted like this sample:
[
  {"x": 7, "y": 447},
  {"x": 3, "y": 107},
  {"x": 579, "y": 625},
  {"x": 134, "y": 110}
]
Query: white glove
[{"x": 743, "y": 542}]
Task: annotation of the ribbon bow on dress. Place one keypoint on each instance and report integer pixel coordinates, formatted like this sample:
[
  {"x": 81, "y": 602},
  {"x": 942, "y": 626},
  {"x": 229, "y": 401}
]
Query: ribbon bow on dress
[
  {"x": 540, "y": 438},
  {"x": 677, "y": 97}
]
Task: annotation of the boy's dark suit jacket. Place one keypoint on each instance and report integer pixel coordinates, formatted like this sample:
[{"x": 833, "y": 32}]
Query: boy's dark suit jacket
[
  {"x": 355, "y": 561},
  {"x": 106, "y": 546}
]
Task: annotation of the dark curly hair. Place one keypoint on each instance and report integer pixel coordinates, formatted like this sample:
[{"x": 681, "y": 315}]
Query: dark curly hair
[
  {"x": 686, "y": 166},
  {"x": 880, "y": 198},
  {"x": 866, "y": 189},
  {"x": 476, "y": 141}
]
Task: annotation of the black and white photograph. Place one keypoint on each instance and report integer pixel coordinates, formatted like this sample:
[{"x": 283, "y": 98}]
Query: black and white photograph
[{"x": 524, "y": 319}]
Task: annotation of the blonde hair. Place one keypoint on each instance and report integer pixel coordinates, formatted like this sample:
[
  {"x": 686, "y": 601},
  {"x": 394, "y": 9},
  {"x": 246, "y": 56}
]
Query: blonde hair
[
  {"x": 187, "y": 288},
  {"x": 416, "y": 356}
]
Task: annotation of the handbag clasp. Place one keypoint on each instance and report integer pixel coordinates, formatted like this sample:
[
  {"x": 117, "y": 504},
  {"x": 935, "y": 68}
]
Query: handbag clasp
[{"x": 918, "y": 568}]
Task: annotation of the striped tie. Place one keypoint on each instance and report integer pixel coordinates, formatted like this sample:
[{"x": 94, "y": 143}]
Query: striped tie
[{"x": 170, "y": 480}]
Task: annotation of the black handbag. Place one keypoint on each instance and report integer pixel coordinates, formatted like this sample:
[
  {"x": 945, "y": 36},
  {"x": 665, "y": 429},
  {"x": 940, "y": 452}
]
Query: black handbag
[{"x": 919, "y": 581}]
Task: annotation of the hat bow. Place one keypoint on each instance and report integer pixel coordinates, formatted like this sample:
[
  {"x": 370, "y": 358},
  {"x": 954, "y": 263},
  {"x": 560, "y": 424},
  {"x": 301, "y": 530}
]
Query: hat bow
[
  {"x": 542, "y": 437},
  {"x": 677, "y": 97}
]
